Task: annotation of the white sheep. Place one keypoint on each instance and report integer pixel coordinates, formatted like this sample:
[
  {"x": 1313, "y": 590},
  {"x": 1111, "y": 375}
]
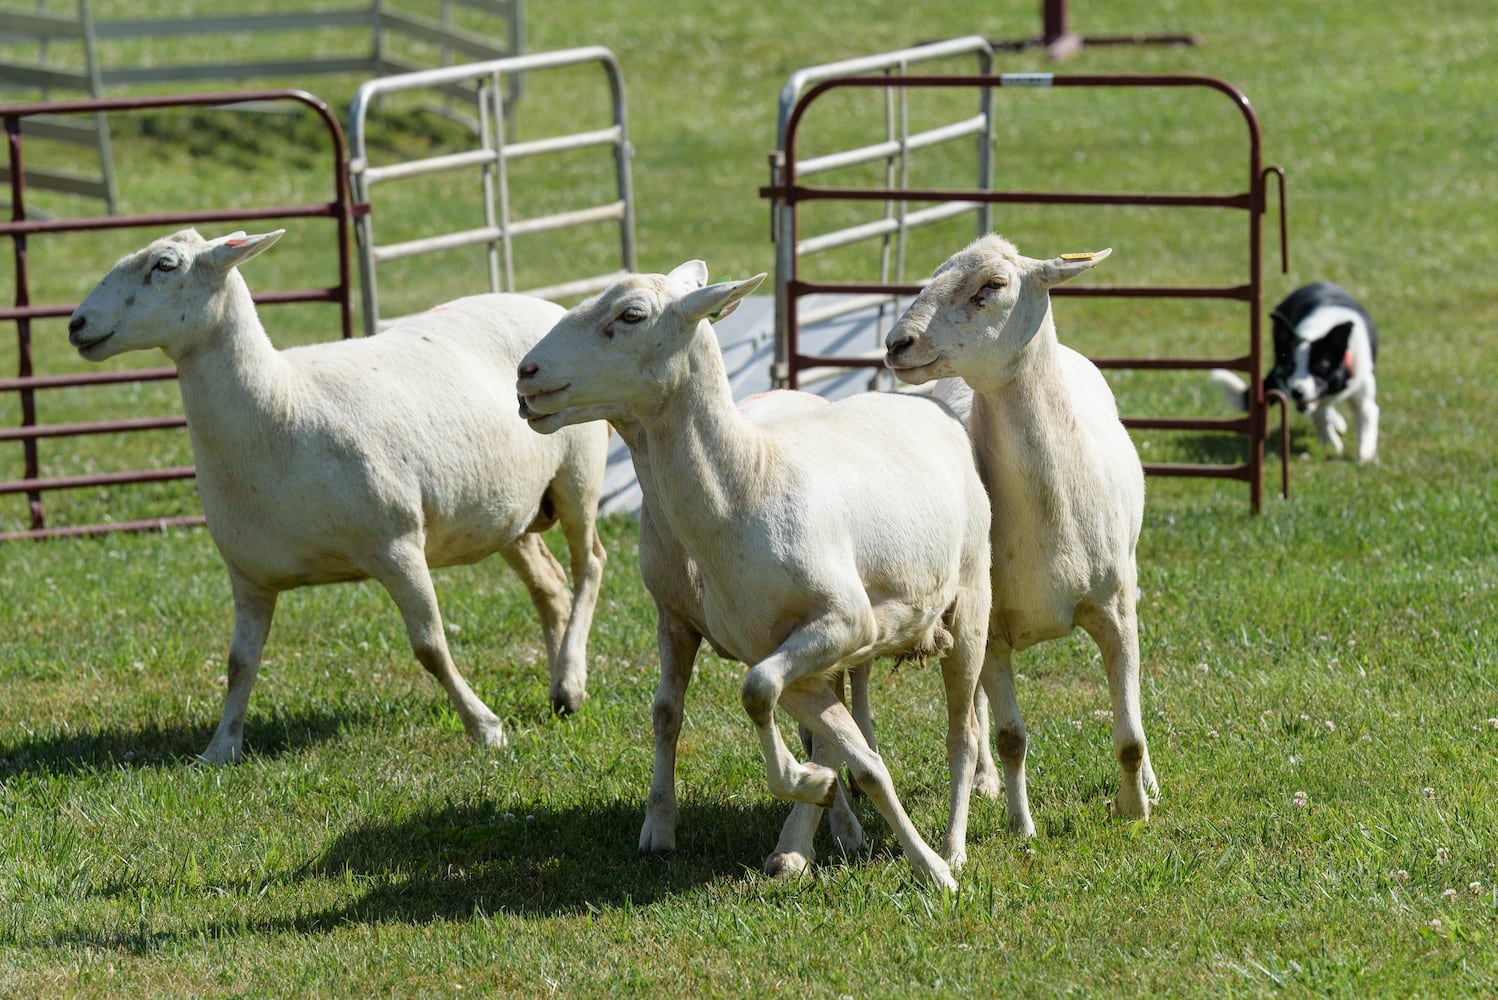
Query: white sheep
[
  {"x": 852, "y": 531},
  {"x": 671, "y": 577},
  {"x": 370, "y": 458},
  {"x": 1064, "y": 478}
]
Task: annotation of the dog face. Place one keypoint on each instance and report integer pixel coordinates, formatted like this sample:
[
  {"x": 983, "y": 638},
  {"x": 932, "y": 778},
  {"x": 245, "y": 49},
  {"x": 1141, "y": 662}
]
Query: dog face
[{"x": 1312, "y": 360}]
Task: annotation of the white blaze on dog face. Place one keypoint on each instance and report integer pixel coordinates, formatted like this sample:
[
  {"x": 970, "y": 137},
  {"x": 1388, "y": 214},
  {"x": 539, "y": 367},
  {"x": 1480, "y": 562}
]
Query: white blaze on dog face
[{"x": 1315, "y": 359}]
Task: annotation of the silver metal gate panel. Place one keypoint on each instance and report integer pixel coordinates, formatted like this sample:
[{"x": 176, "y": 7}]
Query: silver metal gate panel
[
  {"x": 894, "y": 226},
  {"x": 490, "y": 158},
  {"x": 390, "y": 27}
]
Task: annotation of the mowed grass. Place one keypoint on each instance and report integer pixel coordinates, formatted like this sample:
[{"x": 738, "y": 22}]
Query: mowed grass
[{"x": 1319, "y": 682}]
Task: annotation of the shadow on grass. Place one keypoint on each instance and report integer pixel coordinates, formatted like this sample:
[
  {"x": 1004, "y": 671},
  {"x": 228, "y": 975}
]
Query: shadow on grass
[
  {"x": 1231, "y": 449},
  {"x": 474, "y": 860},
  {"x": 157, "y": 744}
]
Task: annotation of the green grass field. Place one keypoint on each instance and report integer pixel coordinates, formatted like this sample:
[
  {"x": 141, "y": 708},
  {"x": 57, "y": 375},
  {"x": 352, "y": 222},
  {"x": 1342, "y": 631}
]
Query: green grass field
[{"x": 1319, "y": 682}]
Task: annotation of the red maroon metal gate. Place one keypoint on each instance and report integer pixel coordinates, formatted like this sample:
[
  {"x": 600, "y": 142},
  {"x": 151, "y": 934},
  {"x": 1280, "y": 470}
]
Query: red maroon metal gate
[
  {"x": 27, "y": 383},
  {"x": 788, "y": 193}
]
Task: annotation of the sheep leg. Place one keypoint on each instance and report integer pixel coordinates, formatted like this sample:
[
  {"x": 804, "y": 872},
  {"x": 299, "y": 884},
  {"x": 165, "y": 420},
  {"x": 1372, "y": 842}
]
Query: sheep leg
[
  {"x": 546, "y": 583},
  {"x": 1009, "y": 735},
  {"x": 960, "y": 670},
  {"x": 403, "y": 573},
  {"x": 863, "y": 714},
  {"x": 253, "y": 610},
  {"x": 814, "y": 705},
  {"x": 841, "y": 820},
  {"x": 795, "y": 853},
  {"x": 1365, "y": 418},
  {"x": 986, "y": 780},
  {"x": 678, "y": 643},
  {"x": 569, "y": 671},
  {"x": 1115, "y": 631},
  {"x": 810, "y": 649}
]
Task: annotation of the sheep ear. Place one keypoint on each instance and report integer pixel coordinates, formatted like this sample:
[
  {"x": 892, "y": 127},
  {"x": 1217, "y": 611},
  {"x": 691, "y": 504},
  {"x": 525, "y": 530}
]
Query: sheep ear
[
  {"x": 688, "y": 276},
  {"x": 1067, "y": 266},
  {"x": 717, "y": 301},
  {"x": 236, "y": 248}
]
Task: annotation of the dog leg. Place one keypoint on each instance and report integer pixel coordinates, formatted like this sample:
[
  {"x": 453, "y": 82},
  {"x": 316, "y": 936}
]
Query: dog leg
[
  {"x": 1329, "y": 426},
  {"x": 1365, "y": 416}
]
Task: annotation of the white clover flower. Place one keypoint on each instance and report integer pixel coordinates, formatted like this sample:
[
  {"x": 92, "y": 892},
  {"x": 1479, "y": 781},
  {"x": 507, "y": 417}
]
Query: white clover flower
[{"x": 1300, "y": 800}]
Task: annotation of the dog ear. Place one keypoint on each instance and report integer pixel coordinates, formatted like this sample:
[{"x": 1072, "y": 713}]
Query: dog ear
[{"x": 1337, "y": 337}]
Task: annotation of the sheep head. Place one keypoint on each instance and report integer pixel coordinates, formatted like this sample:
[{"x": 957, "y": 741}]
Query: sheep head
[
  {"x": 624, "y": 351},
  {"x": 162, "y": 295},
  {"x": 978, "y": 312}
]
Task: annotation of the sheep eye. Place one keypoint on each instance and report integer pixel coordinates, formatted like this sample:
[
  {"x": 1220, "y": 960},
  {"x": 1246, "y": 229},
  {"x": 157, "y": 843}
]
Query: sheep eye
[
  {"x": 166, "y": 262},
  {"x": 989, "y": 287},
  {"x": 634, "y": 314}
]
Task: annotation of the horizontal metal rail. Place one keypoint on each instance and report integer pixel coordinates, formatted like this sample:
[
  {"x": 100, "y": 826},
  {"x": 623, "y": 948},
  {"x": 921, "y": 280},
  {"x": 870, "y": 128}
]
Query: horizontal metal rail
[
  {"x": 490, "y": 161},
  {"x": 31, "y": 433},
  {"x": 789, "y": 190},
  {"x": 892, "y": 229},
  {"x": 388, "y": 31}
]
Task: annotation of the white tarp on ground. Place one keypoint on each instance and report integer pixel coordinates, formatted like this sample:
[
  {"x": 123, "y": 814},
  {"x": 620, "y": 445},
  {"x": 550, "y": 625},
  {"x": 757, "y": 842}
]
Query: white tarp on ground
[{"x": 748, "y": 339}]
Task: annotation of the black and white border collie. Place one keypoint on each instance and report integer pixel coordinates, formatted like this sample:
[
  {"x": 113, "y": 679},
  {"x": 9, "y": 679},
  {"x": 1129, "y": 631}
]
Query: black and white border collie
[{"x": 1325, "y": 346}]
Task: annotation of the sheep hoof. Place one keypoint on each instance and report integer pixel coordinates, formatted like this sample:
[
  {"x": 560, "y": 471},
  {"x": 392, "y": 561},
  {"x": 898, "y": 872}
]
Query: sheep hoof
[
  {"x": 987, "y": 784},
  {"x": 940, "y": 876},
  {"x": 1130, "y": 804},
  {"x": 565, "y": 704},
  {"x": 787, "y": 863},
  {"x": 653, "y": 850},
  {"x": 657, "y": 838},
  {"x": 847, "y": 832},
  {"x": 218, "y": 754},
  {"x": 1151, "y": 787},
  {"x": 818, "y": 786},
  {"x": 491, "y": 736}
]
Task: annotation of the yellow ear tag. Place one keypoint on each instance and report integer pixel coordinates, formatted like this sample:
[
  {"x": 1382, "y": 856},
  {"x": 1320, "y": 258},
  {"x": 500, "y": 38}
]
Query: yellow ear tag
[{"x": 1077, "y": 256}]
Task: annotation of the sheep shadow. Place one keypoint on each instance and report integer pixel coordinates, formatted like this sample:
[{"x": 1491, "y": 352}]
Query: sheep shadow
[
  {"x": 527, "y": 859},
  {"x": 158, "y": 745}
]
